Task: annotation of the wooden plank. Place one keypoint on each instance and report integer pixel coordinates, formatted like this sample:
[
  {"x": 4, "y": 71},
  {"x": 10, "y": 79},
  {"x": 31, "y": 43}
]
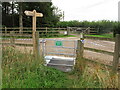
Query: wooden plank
[
  {"x": 99, "y": 51},
  {"x": 29, "y": 13},
  {"x": 39, "y": 15},
  {"x": 18, "y": 44}
]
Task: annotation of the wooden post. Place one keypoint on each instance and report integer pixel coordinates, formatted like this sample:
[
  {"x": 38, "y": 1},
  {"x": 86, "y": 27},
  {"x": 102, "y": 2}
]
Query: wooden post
[
  {"x": 68, "y": 30},
  {"x": 34, "y": 31},
  {"x": 5, "y": 30},
  {"x": 80, "y": 47},
  {"x": 12, "y": 39},
  {"x": 80, "y": 63},
  {"x": 46, "y": 30},
  {"x": 116, "y": 57},
  {"x": 34, "y": 14},
  {"x": 20, "y": 17},
  {"x": 88, "y": 32},
  {"x": 36, "y": 44}
]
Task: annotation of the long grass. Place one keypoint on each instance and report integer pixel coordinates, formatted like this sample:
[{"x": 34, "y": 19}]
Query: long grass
[
  {"x": 21, "y": 70},
  {"x": 94, "y": 76}
]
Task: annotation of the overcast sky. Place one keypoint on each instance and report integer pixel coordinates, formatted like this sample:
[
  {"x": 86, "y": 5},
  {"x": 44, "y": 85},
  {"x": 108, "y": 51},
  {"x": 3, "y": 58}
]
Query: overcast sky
[{"x": 88, "y": 9}]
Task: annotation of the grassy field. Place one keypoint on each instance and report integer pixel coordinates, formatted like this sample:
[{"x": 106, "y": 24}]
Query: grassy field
[
  {"x": 21, "y": 70},
  {"x": 48, "y": 36},
  {"x": 102, "y": 35},
  {"x": 61, "y": 36}
]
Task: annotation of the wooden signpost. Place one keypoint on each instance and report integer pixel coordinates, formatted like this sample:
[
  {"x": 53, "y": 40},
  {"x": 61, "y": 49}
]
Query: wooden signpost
[{"x": 34, "y": 14}]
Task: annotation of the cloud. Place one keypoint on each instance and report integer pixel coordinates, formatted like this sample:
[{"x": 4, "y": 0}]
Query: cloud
[{"x": 88, "y": 9}]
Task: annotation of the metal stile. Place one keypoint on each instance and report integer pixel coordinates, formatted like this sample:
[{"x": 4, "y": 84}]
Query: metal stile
[{"x": 58, "y": 49}]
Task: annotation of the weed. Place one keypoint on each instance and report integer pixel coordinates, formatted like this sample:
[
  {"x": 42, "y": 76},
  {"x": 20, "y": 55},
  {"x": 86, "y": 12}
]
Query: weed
[{"x": 21, "y": 70}]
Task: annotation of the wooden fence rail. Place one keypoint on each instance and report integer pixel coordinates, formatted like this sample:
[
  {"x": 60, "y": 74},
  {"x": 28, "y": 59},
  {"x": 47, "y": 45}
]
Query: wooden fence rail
[
  {"x": 88, "y": 30},
  {"x": 6, "y": 28}
]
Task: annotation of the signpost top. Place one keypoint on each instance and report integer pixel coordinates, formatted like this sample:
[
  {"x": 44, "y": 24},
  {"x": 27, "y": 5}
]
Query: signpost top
[{"x": 33, "y": 13}]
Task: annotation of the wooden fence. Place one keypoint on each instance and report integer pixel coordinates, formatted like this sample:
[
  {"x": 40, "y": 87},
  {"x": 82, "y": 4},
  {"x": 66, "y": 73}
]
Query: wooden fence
[
  {"x": 80, "y": 48},
  {"x": 116, "y": 54},
  {"x": 48, "y": 29},
  {"x": 12, "y": 40}
]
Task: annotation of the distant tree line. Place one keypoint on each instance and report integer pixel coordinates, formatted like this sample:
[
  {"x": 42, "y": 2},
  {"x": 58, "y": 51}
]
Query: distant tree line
[
  {"x": 103, "y": 26},
  {"x": 11, "y": 12}
]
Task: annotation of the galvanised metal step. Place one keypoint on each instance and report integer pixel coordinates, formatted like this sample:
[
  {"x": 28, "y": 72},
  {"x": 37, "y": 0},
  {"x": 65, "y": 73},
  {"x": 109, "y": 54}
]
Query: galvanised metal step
[
  {"x": 62, "y": 61},
  {"x": 64, "y": 64}
]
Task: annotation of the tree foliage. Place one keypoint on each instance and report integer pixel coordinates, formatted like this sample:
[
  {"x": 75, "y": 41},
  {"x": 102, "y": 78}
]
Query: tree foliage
[
  {"x": 103, "y": 26},
  {"x": 10, "y": 14},
  {"x": 116, "y": 29}
]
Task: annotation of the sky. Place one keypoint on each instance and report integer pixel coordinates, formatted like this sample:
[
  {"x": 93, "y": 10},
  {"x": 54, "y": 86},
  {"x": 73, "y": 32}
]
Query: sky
[{"x": 90, "y": 10}]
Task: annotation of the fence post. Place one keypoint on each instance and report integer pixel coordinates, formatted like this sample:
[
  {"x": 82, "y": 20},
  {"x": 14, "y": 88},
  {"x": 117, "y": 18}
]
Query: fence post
[
  {"x": 36, "y": 45},
  {"x": 12, "y": 39},
  {"x": 5, "y": 30},
  {"x": 46, "y": 30},
  {"x": 88, "y": 32},
  {"x": 80, "y": 63},
  {"x": 68, "y": 30},
  {"x": 116, "y": 54},
  {"x": 80, "y": 47}
]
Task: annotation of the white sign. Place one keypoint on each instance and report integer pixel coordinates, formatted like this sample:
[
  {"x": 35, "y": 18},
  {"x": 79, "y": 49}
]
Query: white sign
[{"x": 29, "y": 13}]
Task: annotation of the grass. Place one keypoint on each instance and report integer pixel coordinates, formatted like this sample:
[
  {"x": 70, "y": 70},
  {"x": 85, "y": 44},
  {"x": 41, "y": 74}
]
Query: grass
[
  {"x": 48, "y": 36},
  {"x": 59, "y": 36},
  {"x": 21, "y": 70},
  {"x": 102, "y": 35}
]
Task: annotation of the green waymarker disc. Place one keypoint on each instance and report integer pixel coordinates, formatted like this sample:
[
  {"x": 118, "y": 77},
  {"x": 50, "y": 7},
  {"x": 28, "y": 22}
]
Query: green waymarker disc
[{"x": 58, "y": 43}]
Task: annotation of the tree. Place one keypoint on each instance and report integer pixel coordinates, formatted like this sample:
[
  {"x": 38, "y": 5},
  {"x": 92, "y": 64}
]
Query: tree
[
  {"x": 116, "y": 29},
  {"x": 20, "y": 17},
  {"x": 47, "y": 8},
  {"x": 9, "y": 14}
]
